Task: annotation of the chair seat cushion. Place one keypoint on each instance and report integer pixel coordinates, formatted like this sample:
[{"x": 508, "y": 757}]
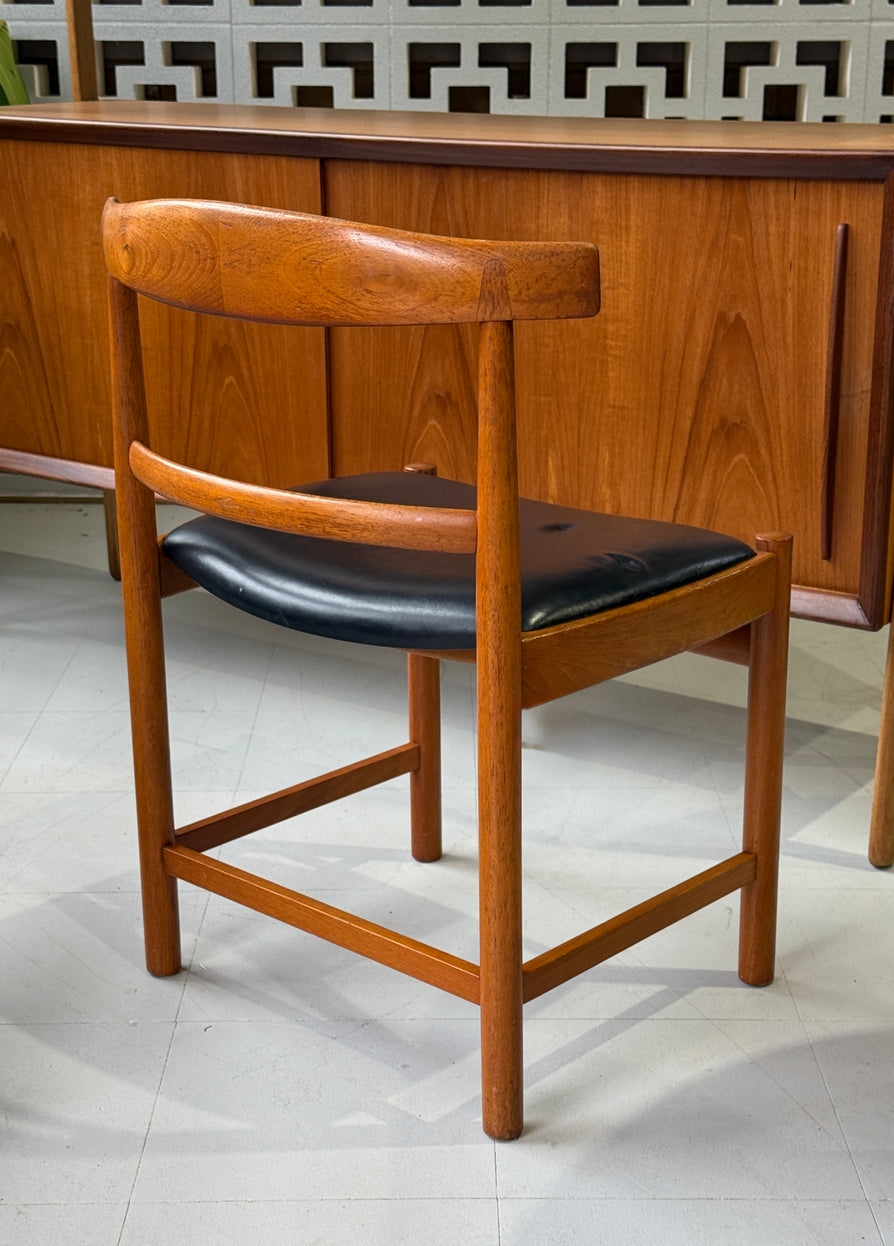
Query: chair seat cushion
[{"x": 574, "y": 563}]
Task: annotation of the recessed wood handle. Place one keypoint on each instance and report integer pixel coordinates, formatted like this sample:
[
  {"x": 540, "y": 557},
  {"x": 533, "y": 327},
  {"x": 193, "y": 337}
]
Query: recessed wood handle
[{"x": 833, "y": 387}]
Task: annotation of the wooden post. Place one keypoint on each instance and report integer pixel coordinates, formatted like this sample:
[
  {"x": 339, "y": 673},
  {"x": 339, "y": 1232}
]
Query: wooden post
[
  {"x": 881, "y": 834},
  {"x": 499, "y": 739},
  {"x": 82, "y": 49},
  {"x": 144, "y": 641},
  {"x": 425, "y": 730},
  {"x": 763, "y": 772}
]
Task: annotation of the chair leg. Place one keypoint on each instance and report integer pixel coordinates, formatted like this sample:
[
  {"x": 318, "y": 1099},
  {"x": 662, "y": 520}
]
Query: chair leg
[
  {"x": 500, "y": 905},
  {"x": 881, "y": 834},
  {"x": 149, "y": 728},
  {"x": 423, "y": 678},
  {"x": 155, "y": 812},
  {"x": 763, "y": 774}
]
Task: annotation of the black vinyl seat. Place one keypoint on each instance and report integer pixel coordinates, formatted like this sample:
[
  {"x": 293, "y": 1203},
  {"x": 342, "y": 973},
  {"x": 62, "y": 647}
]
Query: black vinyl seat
[{"x": 574, "y": 563}]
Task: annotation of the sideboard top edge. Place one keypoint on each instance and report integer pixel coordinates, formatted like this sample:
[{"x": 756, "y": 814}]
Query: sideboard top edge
[{"x": 762, "y": 149}]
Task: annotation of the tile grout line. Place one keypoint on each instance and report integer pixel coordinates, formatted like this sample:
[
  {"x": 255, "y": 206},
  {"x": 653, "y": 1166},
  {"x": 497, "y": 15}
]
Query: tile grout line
[
  {"x": 254, "y": 722},
  {"x": 497, "y": 1195},
  {"x": 844, "y": 1134},
  {"x": 833, "y": 1105},
  {"x": 139, "y": 1162}
]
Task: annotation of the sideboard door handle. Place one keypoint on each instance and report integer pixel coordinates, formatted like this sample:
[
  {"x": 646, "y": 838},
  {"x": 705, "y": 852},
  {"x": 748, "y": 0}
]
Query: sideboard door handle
[{"x": 833, "y": 386}]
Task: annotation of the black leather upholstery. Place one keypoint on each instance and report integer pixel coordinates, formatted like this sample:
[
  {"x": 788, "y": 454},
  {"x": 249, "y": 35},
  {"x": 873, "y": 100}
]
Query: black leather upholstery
[{"x": 574, "y": 563}]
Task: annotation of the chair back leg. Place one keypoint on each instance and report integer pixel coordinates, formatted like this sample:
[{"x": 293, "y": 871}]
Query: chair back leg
[
  {"x": 149, "y": 727},
  {"x": 155, "y": 813},
  {"x": 763, "y": 773}
]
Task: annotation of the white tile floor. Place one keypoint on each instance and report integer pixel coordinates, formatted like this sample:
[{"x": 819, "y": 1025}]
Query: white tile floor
[{"x": 282, "y": 1091}]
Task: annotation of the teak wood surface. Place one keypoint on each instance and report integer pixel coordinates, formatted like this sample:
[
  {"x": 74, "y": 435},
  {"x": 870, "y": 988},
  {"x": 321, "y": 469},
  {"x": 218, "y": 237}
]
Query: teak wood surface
[
  {"x": 698, "y": 394},
  {"x": 187, "y": 254},
  {"x": 726, "y": 294},
  {"x": 81, "y": 49},
  {"x": 690, "y": 148},
  {"x": 711, "y": 350},
  {"x": 205, "y": 402}
]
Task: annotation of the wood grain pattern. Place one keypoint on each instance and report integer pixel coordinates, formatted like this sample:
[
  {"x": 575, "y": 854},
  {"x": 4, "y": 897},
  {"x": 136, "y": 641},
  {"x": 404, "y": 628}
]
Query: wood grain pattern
[
  {"x": 144, "y": 640},
  {"x": 497, "y": 614},
  {"x": 223, "y": 828},
  {"x": 57, "y": 469},
  {"x": 370, "y": 523},
  {"x": 510, "y": 666},
  {"x": 217, "y": 376},
  {"x": 734, "y": 391},
  {"x": 561, "y": 660},
  {"x": 424, "y": 712},
  {"x": 698, "y": 395},
  {"x": 594, "y": 946},
  {"x": 81, "y": 49},
  {"x": 763, "y": 774},
  {"x": 31, "y": 421},
  {"x": 877, "y": 510},
  {"x": 881, "y": 832},
  {"x": 309, "y": 270},
  {"x": 409, "y": 956},
  {"x": 665, "y": 148}
]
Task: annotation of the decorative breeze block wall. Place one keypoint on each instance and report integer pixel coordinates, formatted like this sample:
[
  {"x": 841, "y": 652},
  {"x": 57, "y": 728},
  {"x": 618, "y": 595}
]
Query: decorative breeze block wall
[{"x": 794, "y": 60}]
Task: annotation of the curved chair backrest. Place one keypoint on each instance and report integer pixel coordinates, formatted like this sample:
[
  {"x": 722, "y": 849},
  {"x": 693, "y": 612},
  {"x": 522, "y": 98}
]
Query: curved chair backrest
[{"x": 291, "y": 268}]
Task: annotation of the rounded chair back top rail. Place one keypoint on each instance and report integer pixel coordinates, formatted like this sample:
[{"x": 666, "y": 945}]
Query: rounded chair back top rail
[{"x": 294, "y": 268}]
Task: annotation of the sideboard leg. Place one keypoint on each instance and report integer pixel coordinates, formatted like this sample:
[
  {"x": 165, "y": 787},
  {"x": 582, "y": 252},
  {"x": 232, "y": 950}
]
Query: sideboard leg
[
  {"x": 108, "y": 501},
  {"x": 881, "y": 834}
]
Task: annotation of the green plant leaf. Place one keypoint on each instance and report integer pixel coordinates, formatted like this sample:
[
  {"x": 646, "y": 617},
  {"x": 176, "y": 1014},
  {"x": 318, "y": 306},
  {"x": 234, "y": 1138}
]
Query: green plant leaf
[{"x": 12, "y": 89}]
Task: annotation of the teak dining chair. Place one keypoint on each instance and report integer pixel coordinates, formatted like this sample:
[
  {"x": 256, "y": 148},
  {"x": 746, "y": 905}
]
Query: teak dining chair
[{"x": 545, "y": 598}]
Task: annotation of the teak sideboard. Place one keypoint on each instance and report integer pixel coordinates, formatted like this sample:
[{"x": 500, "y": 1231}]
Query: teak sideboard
[{"x": 739, "y": 375}]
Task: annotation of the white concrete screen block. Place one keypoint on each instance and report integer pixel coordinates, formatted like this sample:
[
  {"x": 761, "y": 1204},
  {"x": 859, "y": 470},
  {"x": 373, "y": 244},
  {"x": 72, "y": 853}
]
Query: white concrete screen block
[{"x": 808, "y": 60}]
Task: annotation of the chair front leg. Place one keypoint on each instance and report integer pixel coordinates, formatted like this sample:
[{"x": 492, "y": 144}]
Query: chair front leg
[
  {"x": 423, "y": 678},
  {"x": 763, "y": 773},
  {"x": 500, "y": 903}
]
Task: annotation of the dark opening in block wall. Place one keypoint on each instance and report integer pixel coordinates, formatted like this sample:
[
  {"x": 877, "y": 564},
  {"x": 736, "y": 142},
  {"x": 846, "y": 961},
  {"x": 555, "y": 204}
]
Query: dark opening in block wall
[
  {"x": 423, "y": 58},
  {"x": 115, "y": 53},
  {"x": 579, "y": 57},
  {"x": 672, "y": 58},
  {"x": 626, "y": 100},
  {"x": 623, "y": 101},
  {"x": 830, "y": 54},
  {"x": 202, "y": 56},
  {"x": 358, "y": 57},
  {"x": 739, "y": 56},
  {"x": 44, "y": 55},
  {"x": 468, "y": 99},
  {"x": 782, "y": 102},
  {"x": 270, "y": 56},
  {"x": 888, "y": 69},
  {"x": 515, "y": 58}
]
